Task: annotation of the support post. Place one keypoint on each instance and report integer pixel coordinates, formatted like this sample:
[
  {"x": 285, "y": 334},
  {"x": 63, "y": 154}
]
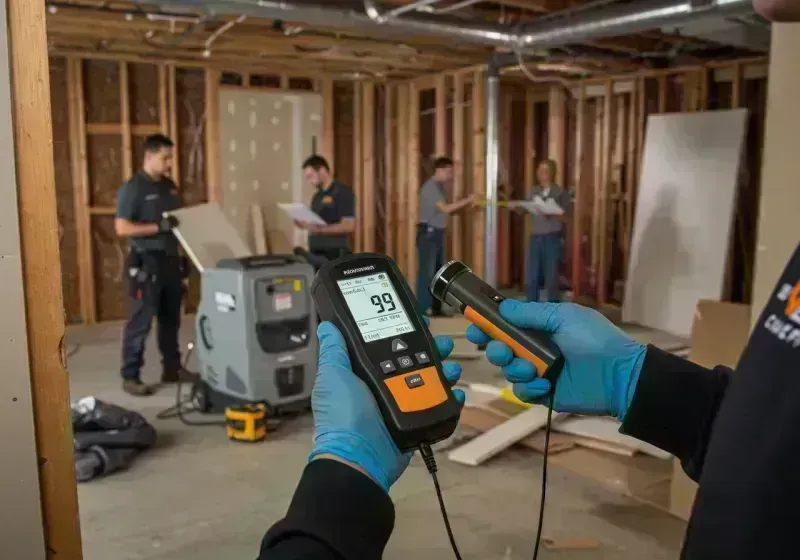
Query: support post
[
  {"x": 368, "y": 167},
  {"x": 412, "y": 209},
  {"x": 389, "y": 185},
  {"x": 33, "y": 273},
  {"x": 491, "y": 178},
  {"x": 458, "y": 161},
  {"x": 125, "y": 106},
  {"x": 403, "y": 250},
  {"x": 577, "y": 207},
  {"x": 174, "y": 133},
  {"x": 213, "y": 186},
  {"x": 479, "y": 150},
  {"x": 328, "y": 150}
]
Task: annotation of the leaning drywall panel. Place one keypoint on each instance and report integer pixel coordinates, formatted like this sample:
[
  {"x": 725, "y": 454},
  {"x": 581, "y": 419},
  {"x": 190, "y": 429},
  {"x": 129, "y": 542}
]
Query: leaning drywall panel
[
  {"x": 264, "y": 137},
  {"x": 208, "y": 236},
  {"x": 683, "y": 217}
]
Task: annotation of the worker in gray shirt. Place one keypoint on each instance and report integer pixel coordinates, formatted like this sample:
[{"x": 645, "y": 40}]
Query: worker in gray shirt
[
  {"x": 546, "y": 242},
  {"x": 433, "y": 212}
]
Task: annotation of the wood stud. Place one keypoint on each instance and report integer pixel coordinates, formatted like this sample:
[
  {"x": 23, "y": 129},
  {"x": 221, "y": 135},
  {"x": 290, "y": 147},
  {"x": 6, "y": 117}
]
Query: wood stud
[
  {"x": 369, "y": 207},
  {"x": 412, "y": 186},
  {"x": 213, "y": 185},
  {"x": 578, "y": 203},
  {"x": 390, "y": 150},
  {"x": 458, "y": 159},
  {"x": 478, "y": 167},
  {"x": 358, "y": 169}
]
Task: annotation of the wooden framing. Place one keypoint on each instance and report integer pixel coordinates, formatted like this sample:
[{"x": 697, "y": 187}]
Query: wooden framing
[
  {"x": 174, "y": 133},
  {"x": 456, "y": 249},
  {"x": 440, "y": 142},
  {"x": 41, "y": 276},
  {"x": 80, "y": 181},
  {"x": 478, "y": 166},
  {"x": 213, "y": 185},
  {"x": 578, "y": 203},
  {"x": 328, "y": 136},
  {"x": 368, "y": 167},
  {"x": 602, "y": 209},
  {"x": 390, "y": 130},
  {"x": 358, "y": 165},
  {"x": 557, "y": 148},
  {"x": 125, "y": 107},
  {"x": 404, "y": 251},
  {"x": 412, "y": 187}
]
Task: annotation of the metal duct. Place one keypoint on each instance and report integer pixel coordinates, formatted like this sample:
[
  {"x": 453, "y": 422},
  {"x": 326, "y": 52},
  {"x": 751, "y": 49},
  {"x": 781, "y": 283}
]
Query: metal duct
[{"x": 592, "y": 24}]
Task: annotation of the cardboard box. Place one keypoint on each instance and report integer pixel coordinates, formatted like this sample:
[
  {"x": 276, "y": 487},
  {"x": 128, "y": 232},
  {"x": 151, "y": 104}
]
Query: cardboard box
[{"x": 719, "y": 335}]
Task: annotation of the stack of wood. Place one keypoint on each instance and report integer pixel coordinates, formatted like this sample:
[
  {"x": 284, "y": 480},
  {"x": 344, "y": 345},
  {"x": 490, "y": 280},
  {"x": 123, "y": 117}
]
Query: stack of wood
[{"x": 502, "y": 421}]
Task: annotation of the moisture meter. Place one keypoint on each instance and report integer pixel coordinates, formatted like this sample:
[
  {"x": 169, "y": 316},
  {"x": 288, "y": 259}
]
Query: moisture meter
[
  {"x": 456, "y": 285},
  {"x": 390, "y": 347}
]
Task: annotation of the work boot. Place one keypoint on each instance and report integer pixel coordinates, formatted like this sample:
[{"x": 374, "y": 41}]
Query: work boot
[
  {"x": 136, "y": 388},
  {"x": 180, "y": 375}
]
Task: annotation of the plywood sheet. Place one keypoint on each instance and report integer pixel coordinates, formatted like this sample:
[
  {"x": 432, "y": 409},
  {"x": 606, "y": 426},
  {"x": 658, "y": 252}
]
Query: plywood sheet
[
  {"x": 104, "y": 157},
  {"x": 143, "y": 92},
  {"x": 67, "y": 232},
  {"x": 264, "y": 138},
  {"x": 101, "y": 88},
  {"x": 208, "y": 236},
  {"x": 683, "y": 217},
  {"x": 108, "y": 254}
]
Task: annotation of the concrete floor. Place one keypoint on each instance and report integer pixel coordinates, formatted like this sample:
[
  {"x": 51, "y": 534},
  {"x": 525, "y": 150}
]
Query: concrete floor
[{"x": 199, "y": 496}]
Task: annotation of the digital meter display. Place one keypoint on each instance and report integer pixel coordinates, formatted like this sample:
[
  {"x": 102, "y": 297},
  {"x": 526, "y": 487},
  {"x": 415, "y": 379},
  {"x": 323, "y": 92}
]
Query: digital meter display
[{"x": 375, "y": 306}]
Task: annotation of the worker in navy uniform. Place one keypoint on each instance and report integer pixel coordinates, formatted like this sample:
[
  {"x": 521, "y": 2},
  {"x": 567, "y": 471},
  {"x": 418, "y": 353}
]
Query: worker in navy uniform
[
  {"x": 545, "y": 247},
  {"x": 433, "y": 213},
  {"x": 335, "y": 203},
  {"x": 155, "y": 268}
]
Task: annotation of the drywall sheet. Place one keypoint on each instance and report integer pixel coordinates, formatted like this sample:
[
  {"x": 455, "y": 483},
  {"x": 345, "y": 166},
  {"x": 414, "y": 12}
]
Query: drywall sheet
[
  {"x": 264, "y": 138},
  {"x": 684, "y": 210},
  {"x": 207, "y": 235}
]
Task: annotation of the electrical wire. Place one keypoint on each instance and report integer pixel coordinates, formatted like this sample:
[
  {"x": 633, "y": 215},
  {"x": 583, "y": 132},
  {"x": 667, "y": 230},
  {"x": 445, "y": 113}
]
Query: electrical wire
[{"x": 430, "y": 463}]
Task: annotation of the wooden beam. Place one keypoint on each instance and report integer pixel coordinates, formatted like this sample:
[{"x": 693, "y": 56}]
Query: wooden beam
[
  {"x": 478, "y": 167},
  {"x": 736, "y": 92},
  {"x": 390, "y": 132},
  {"x": 662, "y": 93},
  {"x": 557, "y": 148},
  {"x": 440, "y": 134},
  {"x": 368, "y": 162},
  {"x": 328, "y": 116},
  {"x": 577, "y": 207},
  {"x": 458, "y": 155},
  {"x": 80, "y": 180},
  {"x": 631, "y": 168},
  {"x": 702, "y": 89},
  {"x": 641, "y": 126},
  {"x": 529, "y": 170},
  {"x": 403, "y": 249},
  {"x": 41, "y": 276},
  {"x": 603, "y": 259},
  {"x": 358, "y": 166},
  {"x": 413, "y": 180},
  {"x": 503, "y": 216},
  {"x": 213, "y": 186},
  {"x": 598, "y": 181},
  {"x": 174, "y": 133},
  {"x": 125, "y": 105},
  {"x": 163, "y": 108}
]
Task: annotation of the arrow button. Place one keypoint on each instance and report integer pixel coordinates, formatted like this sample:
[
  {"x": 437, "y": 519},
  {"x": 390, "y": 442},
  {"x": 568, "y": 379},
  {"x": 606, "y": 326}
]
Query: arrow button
[{"x": 398, "y": 345}]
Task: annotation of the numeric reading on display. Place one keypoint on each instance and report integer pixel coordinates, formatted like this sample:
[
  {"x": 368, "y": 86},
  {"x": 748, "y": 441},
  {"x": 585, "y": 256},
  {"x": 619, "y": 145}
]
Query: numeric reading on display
[{"x": 375, "y": 306}]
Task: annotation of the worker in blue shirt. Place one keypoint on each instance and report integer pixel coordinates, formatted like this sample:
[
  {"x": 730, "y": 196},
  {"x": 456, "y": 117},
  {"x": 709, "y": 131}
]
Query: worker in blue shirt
[{"x": 334, "y": 202}]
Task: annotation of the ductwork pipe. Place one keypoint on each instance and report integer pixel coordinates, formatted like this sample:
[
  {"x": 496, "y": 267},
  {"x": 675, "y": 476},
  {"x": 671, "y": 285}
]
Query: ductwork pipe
[{"x": 592, "y": 24}]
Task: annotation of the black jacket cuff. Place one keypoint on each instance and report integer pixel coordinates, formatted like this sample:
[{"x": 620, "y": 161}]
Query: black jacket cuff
[
  {"x": 339, "y": 506},
  {"x": 674, "y": 406}
]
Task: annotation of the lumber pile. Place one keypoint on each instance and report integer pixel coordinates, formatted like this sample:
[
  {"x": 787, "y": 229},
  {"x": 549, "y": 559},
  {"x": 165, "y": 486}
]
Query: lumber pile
[{"x": 500, "y": 420}]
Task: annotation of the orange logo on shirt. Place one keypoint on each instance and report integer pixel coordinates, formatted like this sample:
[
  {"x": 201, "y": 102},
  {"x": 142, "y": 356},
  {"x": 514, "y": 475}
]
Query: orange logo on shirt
[
  {"x": 793, "y": 301},
  {"x": 327, "y": 200}
]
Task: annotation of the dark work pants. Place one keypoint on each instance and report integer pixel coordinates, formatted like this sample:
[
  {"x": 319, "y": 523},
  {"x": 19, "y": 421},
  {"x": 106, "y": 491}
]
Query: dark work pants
[
  {"x": 161, "y": 300},
  {"x": 430, "y": 258},
  {"x": 544, "y": 256}
]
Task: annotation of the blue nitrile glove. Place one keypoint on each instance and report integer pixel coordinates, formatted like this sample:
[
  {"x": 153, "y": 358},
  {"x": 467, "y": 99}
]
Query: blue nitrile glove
[
  {"x": 347, "y": 422},
  {"x": 602, "y": 364}
]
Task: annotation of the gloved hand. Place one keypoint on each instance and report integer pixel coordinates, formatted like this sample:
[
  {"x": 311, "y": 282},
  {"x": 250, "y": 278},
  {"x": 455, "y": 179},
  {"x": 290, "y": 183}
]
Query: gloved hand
[
  {"x": 347, "y": 421},
  {"x": 167, "y": 223},
  {"x": 602, "y": 364}
]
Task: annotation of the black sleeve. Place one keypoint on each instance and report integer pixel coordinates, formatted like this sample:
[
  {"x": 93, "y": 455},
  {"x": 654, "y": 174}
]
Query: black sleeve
[
  {"x": 346, "y": 203},
  {"x": 675, "y": 405},
  {"x": 126, "y": 202},
  {"x": 337, "y": 513}
]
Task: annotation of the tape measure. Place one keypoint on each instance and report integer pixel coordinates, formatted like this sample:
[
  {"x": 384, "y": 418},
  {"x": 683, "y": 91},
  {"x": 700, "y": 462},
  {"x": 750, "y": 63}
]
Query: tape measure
[{"x": 246, "y": 423}]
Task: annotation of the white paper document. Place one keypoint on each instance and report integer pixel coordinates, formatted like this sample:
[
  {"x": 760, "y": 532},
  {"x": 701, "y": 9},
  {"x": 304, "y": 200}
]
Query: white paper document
[
  {"x": 299, "y": 212},
  {"x": 538, "y": 206}
]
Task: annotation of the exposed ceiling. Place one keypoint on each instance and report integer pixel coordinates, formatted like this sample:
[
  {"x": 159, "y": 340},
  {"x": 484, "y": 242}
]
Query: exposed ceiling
[{"x": 194, "y": 32}]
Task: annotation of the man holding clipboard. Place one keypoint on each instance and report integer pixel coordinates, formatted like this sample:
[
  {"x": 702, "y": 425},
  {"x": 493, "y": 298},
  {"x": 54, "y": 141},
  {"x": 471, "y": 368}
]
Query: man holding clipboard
[{"x": 335, "y": 203}]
